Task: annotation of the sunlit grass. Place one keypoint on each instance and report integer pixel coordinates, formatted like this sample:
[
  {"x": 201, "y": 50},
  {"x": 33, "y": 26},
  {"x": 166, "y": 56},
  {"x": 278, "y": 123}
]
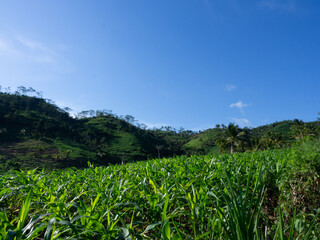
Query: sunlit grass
[{"x": 199, "y": 197}]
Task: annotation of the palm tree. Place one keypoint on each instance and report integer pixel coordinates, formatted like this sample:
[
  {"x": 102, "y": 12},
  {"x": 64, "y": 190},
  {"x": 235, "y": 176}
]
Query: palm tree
[
  {"x": 256, "y": 143},
  {"x": 232, "y": 138},
  {"x": 273, "y": 140},
  {"x": 222, "y": 144},
  {"x": 298, "y": 129}
]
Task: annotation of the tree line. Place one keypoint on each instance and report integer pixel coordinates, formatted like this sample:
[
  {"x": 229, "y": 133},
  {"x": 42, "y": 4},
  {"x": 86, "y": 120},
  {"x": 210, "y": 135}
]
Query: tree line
[
  {"x": 234, "y": 139},
  {"x": 24, "y": 113}
]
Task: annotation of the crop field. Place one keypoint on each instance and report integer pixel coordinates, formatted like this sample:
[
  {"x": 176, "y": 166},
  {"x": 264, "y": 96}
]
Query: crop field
[{"x": 272, "y": 194}]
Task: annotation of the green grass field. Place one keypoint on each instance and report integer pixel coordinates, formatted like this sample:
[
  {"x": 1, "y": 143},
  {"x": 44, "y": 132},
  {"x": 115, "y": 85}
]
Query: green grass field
[{"x": 260, "y": 195}]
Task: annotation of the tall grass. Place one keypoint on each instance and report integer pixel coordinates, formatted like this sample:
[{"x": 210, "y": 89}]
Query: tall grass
[{"x": 240, "y": 196}]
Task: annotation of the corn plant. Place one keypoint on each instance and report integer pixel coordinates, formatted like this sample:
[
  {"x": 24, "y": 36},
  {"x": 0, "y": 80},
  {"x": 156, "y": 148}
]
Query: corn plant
[{"x": 197, "y": 197}]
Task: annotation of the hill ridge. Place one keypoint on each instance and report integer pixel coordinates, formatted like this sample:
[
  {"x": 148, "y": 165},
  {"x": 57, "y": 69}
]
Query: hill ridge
[{"x": 36, "y": 132}]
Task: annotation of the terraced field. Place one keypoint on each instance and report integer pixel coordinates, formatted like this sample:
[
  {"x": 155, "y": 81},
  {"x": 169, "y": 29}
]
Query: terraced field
[{"x": 260, "y": 195}]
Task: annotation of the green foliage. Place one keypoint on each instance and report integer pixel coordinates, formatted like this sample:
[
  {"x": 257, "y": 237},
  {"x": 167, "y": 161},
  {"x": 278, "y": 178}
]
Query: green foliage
[
  {"x": 271, "y": 194},
  {"x": 275, "y": 135},
  {"x": 60, "y": 140},
  {"x": 232, "y": 138},
  {"x": 36, "y": 132}
]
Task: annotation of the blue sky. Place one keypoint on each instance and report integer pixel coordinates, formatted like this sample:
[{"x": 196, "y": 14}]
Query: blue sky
[{"x": 189, "y": 63}]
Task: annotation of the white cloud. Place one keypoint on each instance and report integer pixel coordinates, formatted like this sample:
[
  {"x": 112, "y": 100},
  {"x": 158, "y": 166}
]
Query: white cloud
[
  {"x": 230, "y": 87},
  {"x": 242, "y": 122},
  {"x": 283, "y": 5},
  {"x": 239, "y": 105}
]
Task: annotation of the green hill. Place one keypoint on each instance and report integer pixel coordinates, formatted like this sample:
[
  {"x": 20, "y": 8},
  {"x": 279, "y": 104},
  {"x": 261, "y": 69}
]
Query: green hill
[
  {"x": 34, "y": 132},
  {"x": 205, "y": 142}
]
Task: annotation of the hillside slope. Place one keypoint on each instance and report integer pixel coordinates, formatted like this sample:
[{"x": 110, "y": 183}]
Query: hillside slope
[
  {"x": 205, "y": 142},
  {"x": 35, "y": 132}
]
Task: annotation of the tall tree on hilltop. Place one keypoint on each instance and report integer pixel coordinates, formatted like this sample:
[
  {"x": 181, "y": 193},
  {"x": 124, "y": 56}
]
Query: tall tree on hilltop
[
  {"x": 232, "y": 137},
  {"x": 299, "y": 129},
  {"x": 256, "y": 143},
  {"x": 273, "y": 140},
  {"x": 222, "y": 144}
]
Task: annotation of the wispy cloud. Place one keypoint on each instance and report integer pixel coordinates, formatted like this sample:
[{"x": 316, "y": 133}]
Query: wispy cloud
[
  {"x": 22, "y": 48},
  {"x": 229, "y": 87},
  {"x": 239, "y": 105},
  {"x": 38, "y": 51},
  {"x": 7, "y": 48},
  {"x": 242, "y": 122},
  {"x": 283, "y": 5}
]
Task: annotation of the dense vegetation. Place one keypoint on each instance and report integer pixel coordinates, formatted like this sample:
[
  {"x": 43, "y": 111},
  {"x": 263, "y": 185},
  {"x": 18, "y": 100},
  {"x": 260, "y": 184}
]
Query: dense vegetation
[
  {"x": 259, "y": 183},
  {"x": 231, "y": 138},
  {"x": 273, "y": 194},
  {"x": 34, "y": 132}
]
